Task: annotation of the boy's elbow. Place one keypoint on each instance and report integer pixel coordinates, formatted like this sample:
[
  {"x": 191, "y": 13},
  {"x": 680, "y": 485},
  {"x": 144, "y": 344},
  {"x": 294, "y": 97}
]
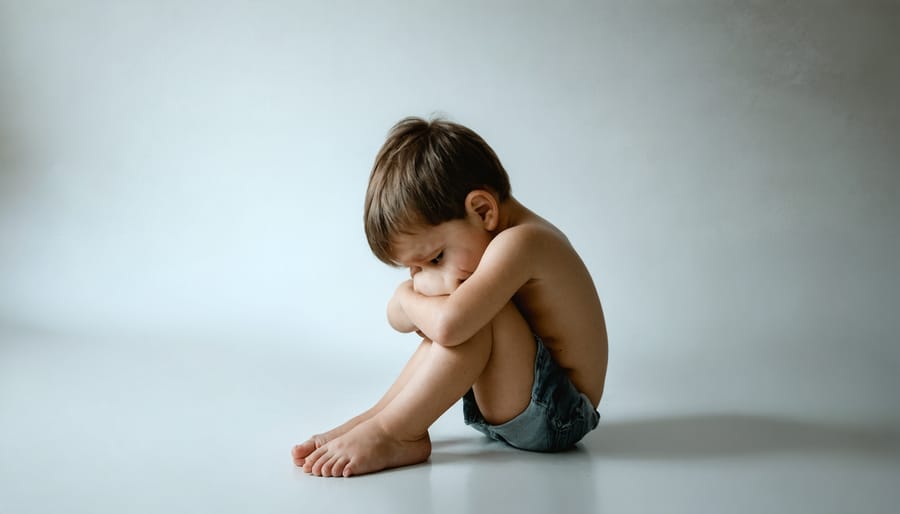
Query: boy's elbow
[
  {"x": 449, "y": 331},
  {"x": 402, "y": 328}
]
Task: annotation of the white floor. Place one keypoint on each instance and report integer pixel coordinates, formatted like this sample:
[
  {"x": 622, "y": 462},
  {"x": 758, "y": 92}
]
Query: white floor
[{"x": 160, "y": 426}]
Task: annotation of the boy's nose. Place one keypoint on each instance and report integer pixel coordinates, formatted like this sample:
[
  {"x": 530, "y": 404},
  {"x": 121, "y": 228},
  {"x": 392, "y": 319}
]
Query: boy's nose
[{"x": 413, "y": 270}]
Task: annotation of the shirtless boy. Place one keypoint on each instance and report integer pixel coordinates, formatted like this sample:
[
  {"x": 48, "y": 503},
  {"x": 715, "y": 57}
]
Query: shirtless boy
[{"x": 509, "y": 314}]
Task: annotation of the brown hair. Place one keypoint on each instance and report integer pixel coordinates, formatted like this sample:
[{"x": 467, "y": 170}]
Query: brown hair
[{"x": 422, "y": 175}]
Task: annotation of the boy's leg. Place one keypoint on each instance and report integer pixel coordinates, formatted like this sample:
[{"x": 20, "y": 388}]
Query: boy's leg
[
  {"x": 498, "y": 362},
  {"x": 302, "y": 450}
]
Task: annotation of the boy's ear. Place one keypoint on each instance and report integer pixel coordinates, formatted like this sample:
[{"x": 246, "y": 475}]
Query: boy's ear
[{"x": 483, "y": 204}]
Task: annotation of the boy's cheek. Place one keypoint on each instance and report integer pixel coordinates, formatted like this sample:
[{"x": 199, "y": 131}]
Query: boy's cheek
[
  {"x": 432, "y": 283},
  {"x": 422, "y": 282}
]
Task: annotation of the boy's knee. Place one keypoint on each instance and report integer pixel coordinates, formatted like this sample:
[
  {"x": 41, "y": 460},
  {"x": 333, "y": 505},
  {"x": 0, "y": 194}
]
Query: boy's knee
[{"x": 509, "y": 320}]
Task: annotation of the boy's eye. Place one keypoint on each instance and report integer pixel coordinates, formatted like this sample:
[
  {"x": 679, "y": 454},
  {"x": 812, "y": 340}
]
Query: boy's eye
[{"x": 437, "y": 259}]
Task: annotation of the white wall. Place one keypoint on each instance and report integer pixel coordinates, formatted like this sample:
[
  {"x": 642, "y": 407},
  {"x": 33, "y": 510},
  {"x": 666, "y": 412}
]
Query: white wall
[{"x": 729, "y": 171}]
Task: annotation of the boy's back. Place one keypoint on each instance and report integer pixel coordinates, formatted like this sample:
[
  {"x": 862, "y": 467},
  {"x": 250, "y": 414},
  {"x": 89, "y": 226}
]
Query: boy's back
[{"x": 561, "y": 305}]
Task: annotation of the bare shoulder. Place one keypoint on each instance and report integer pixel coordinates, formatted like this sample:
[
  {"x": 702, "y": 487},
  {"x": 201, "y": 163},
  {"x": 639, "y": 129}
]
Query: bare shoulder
[
  {"x": 535, "y": 238},
  {"x": 533, "y": 234}
]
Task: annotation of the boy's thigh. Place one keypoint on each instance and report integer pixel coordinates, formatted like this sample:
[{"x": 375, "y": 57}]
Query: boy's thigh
[{"x": 503, "y": 390}]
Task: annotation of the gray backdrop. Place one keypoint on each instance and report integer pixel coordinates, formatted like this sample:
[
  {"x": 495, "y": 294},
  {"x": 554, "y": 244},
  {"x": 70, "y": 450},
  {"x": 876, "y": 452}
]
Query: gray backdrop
[{"x": 194, "y": 171}]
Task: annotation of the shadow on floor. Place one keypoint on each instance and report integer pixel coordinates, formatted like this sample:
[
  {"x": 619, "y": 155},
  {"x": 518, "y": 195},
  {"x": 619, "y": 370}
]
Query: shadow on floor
[{"x": 725, "y": 435}]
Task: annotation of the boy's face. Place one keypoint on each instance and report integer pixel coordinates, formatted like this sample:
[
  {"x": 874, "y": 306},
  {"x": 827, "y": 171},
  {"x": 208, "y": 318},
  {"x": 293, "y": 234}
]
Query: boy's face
[{"x": 441, "y": 257}]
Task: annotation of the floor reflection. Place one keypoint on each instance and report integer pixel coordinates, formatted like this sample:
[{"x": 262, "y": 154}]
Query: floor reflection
[
  {"x": 520, "y": 479},
  {"x": 725, "y": 435}
]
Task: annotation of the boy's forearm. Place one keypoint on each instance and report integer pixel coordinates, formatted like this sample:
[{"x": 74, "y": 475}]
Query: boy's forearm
[
  {"x": 426, "y": 313},
  {"x": 397, "y": 317}
]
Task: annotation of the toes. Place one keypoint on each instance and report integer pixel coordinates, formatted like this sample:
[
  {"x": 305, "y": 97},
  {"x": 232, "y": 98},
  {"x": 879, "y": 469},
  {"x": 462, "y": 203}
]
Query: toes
[
  {"x": 310, "y": 461},
  {"x": 326, "y": 469},
  {"x": 325, "y": 466},
  {"x": 298, "y": 455},
  {"x": 317, "y": 466},
  {"x": 302, "y": 450},
  {"x": 347, "y": 471},
  {"x": 337, "y": 469}
]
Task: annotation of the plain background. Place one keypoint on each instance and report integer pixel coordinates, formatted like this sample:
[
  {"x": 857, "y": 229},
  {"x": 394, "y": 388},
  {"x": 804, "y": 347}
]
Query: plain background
[{"x": 189, "y": 173}]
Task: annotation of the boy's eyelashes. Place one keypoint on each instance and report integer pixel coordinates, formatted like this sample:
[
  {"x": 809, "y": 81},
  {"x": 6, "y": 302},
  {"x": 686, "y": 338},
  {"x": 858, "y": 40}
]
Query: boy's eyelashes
[{"x": 438, "y": 258}]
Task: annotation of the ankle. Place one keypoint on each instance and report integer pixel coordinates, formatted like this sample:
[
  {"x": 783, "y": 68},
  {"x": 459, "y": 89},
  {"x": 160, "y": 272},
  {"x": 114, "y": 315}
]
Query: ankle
[{"x": 397, "y": 429}]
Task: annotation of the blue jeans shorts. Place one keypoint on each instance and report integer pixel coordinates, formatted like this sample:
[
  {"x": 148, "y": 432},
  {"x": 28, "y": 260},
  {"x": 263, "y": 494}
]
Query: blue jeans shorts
[{"x": 557, "y": 417}]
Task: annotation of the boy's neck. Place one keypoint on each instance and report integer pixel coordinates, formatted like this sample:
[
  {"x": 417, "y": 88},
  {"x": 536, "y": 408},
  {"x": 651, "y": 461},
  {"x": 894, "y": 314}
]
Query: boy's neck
[{"x": 511, "y": 214}]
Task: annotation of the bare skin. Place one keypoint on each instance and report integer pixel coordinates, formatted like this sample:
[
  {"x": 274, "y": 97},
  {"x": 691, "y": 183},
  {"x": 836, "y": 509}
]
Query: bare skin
[
  {"x": 471, "y": 293},
  {"x": 301, "y": 451}
]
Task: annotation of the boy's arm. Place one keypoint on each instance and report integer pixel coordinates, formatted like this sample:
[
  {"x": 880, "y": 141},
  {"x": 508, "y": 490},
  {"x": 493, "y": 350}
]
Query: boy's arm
[
  {"x": 507, "y": 264},
  {"x": 397, "y": 317},
  {"x": 424, "y": 283}
]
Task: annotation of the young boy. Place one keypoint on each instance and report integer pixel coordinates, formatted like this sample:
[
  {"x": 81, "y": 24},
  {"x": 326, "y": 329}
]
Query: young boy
[{"x": 509, "y": 314}]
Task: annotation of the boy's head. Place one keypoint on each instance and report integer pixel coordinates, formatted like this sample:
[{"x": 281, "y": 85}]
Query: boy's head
[{"x": 422, "y": 176}]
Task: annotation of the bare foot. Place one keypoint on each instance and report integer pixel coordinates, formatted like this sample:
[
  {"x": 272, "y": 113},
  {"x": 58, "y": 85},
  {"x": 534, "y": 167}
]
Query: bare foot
[
  {"x": 365, "y": 449},
  {"x": 301, "y": 451}
]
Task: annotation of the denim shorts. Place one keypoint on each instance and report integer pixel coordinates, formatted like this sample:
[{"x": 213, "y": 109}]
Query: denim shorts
[{"x": 557, "y": 417}]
